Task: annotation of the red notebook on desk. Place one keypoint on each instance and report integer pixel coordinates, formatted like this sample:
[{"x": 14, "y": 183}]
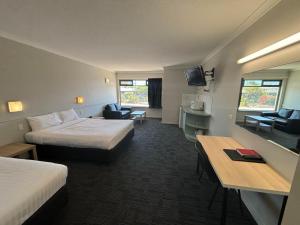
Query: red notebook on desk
[{"x": 248, "y": 153}]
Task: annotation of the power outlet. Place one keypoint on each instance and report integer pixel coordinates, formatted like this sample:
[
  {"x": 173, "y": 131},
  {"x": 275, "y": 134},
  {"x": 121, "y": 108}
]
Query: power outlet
[{"x": 21, "y": 126}]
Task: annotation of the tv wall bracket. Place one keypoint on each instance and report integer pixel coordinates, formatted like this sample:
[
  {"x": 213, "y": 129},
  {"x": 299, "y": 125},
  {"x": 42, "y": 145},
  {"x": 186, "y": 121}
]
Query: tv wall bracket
[{"x": 210, "y": 73}]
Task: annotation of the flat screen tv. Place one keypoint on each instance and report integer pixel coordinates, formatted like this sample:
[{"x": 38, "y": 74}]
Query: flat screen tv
[{"x": 195, "y": 76}]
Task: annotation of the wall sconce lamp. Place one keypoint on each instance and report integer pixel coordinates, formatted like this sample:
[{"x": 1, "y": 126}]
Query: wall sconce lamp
[
  {"x": 15, "y": 106},
  {"x": 271, "y": 48},
  {"x": 106, "y": 80},
  {"x": 79, "y": 100}
]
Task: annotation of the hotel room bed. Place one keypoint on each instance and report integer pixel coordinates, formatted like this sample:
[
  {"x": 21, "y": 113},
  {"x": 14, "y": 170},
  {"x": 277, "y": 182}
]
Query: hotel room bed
[
  {"x": 30, "y": 191},
  {"x": 84, "y": 138}
]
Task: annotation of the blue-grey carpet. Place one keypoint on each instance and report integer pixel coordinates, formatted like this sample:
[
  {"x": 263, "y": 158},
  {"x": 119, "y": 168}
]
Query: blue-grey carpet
[{"x": 154, "y": 182}]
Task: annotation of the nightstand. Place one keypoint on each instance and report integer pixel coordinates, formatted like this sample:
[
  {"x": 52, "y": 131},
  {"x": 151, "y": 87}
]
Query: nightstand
[{"x": 17, "y": 149}]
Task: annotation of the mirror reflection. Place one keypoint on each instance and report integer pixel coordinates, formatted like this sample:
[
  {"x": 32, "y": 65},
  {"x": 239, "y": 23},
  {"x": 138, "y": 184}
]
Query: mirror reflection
[{"x": 269, "y": 105}]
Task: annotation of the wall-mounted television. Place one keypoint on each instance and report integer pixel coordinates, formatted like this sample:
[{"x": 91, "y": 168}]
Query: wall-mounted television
[{"x": 196, "y": 76}]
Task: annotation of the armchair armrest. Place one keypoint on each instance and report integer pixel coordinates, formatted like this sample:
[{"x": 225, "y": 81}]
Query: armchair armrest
[
  {"x": 274, "y": 114},
  {"x": 127, "y": 108}
]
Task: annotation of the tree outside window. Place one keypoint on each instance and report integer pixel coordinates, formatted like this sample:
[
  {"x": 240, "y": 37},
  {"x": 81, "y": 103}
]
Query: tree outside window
[
  {"x": 134, "y": 92},
  {"x": 259, "y": 95}
]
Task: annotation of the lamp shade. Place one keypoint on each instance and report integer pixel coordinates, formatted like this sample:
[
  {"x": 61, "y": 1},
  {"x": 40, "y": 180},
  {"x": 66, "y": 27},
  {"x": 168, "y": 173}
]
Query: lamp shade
[
  {"x": 79, "y": 100},
  {"x": 15, "y": 106}
]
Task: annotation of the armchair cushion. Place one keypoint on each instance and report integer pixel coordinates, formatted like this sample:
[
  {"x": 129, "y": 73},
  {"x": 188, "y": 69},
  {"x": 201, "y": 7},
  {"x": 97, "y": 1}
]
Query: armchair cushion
[
  {"x": 111, "y": 107},
  {"x": 285, "y": 113},
  {"x": 118, "y": 107},
  {"x": 295, "y": 115}
]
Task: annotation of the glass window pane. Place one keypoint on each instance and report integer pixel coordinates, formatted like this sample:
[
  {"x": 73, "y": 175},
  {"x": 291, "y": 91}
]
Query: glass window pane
[
  {"x": 126, "y": 82},
  {"x": 140, "y": 82},
  {"x": 252, "y": 83},
  {"x": 271, "y": 82},
  {"x": 135, "y": 95},
  {"x": 259, "y": 98}
]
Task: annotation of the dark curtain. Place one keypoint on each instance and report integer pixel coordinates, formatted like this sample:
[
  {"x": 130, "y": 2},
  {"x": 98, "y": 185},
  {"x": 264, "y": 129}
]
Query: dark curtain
[{"x": 154, "y": 92}]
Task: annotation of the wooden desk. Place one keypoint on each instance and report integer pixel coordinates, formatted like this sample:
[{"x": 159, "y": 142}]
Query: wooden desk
[
  {"x": 17, "y": 149},
  {"x": 248, "y": 176}
]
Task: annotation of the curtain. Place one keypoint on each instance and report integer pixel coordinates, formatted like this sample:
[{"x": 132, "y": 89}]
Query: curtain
[{"x": 154, "y": 92}]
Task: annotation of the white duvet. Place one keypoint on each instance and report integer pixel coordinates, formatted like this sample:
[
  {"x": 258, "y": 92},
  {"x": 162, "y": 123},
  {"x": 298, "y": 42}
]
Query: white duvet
[
  {"x": 25, "y": 185},
  {"x": 83, "y": 133}
]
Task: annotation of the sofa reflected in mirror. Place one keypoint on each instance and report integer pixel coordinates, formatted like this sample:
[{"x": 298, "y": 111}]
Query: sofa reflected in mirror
[
  {"x": 269, "y": 105},
  {"x": 287, "y": 120}
]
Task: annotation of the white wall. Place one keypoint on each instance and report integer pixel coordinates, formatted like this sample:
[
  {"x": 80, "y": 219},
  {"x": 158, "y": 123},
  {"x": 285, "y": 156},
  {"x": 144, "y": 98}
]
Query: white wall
[
  {"x": 174, "y": 85},
  {"x": 292, "y": 95},
  {"x": 140, "y": 75},
  {"x": 45, "y": 82},
  {"x": 269, "y": 29}
]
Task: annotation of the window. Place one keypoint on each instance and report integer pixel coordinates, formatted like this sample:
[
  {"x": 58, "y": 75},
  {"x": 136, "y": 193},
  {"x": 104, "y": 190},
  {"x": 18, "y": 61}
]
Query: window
[
  {"x": 134, "y": 92},
  {"x": 258, "y": 95}
]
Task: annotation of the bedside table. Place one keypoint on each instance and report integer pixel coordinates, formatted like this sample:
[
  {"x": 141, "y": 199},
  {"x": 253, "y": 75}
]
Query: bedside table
[{"x": 17, "y": 149}]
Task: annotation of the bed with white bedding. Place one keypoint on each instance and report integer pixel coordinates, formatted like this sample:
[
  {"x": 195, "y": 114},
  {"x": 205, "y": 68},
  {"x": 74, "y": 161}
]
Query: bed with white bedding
[
  {"x": 84, "y": 135},
  {"x": 26, "y": 185}
]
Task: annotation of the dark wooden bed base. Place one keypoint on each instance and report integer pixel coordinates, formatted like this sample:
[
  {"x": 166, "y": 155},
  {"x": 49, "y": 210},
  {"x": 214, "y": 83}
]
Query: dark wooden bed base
[
  {"x": 47, "y": 212},
  {"x": 46, "y": 152}
]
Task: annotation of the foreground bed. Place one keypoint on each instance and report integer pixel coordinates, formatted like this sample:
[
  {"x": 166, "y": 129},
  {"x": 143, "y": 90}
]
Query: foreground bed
[
  {"x": 92, "y": 139},
  {"x": 31, "y": 192}
]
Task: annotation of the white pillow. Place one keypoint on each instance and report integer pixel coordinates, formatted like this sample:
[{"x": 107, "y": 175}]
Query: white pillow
[
  {"x": 68, "y": 115},
  {"x": 44, "y": 121}
]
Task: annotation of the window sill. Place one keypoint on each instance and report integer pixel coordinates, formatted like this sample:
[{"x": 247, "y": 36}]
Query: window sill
[
  {"x": 253, "y": 110},
  {"x": 136, "y": 106}
]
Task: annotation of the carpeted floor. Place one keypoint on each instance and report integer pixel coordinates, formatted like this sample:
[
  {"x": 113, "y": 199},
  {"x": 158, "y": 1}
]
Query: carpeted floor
[{"x": 153, "y": 183}]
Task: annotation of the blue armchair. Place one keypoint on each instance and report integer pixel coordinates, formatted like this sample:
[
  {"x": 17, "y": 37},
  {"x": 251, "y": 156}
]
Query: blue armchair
[{"x": 115, "y": 111}]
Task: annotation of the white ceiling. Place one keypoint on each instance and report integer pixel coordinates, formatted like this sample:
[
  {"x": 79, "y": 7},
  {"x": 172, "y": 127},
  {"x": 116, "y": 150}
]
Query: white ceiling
[
  {"x": 292, "y": 66},
  {"x": 126, "y": 34}
]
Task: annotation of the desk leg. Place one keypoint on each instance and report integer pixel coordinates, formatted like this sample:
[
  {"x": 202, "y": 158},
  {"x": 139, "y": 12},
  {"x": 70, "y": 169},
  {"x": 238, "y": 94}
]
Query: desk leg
[
  {"x": 224, "y": 207},
  {"x": 285, "y": 198},
  {"x": 34, "y": 154}
]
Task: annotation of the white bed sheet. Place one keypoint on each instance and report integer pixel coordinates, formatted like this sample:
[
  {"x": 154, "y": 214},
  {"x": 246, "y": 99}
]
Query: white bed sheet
[
  {"x": 83, "y": 133},
  {"x": 25, "y": 185}
]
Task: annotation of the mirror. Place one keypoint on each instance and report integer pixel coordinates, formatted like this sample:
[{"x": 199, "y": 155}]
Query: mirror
[{"x": 269, "y": 105}]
